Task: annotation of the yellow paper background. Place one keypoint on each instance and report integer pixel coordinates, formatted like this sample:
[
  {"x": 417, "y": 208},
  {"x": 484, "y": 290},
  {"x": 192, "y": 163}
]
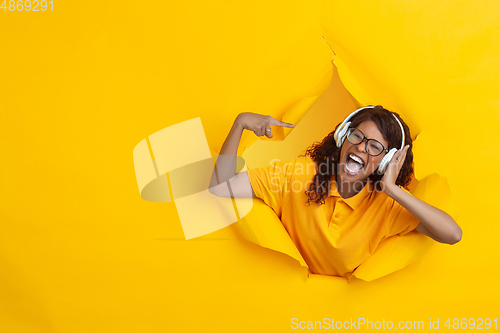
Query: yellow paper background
[{"x": 81, "y": 86}]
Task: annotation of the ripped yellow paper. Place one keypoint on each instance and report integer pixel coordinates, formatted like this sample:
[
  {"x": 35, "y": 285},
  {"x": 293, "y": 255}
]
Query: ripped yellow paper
[
  {"x": 82, "y": 85},
  {"x": 201, "y": 213},
  {"x": 394, "y": 253}
]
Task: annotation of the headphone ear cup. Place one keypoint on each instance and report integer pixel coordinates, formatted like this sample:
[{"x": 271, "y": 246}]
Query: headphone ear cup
[
  {"x": 340, "y": 135},
  {"x": 386, "y": 160}
]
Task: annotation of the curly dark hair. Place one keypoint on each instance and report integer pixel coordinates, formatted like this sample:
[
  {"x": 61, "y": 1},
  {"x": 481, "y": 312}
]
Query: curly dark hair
[{"x": 327, "y": 153}]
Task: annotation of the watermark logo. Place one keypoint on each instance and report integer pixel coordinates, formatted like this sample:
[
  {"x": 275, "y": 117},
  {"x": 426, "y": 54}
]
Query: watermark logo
[
  {"x": 285, "y": 178},
  {"x": 175, "y": 165}
]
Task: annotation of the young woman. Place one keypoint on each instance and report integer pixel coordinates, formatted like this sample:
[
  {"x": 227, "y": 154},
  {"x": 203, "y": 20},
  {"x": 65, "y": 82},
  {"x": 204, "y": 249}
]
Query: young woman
[{"x": 345, "y": 196}]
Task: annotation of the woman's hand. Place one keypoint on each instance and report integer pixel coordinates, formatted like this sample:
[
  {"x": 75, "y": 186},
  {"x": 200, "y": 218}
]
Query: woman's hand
[
  {"x": 260, "y": 124},
  {"x": 392, "y": 171},
  {"x": 225, "y": 168}
]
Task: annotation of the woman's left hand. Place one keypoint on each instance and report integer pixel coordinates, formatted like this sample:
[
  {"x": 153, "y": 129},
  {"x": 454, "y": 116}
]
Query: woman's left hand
[{"x": 392, "y": 170}]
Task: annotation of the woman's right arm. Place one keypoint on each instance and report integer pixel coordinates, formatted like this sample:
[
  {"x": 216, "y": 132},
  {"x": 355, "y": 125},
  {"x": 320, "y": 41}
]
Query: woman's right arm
[{"x": 225, "y": 167}]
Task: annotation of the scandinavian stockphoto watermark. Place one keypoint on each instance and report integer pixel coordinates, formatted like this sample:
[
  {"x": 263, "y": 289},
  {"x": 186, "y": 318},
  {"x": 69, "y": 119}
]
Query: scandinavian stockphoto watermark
[
  {"x": 286, "y": 177},
  {"x": 354, "y": 324},
  {"x": 182, "y": 172},
  {"x": 366, "y": 323}
]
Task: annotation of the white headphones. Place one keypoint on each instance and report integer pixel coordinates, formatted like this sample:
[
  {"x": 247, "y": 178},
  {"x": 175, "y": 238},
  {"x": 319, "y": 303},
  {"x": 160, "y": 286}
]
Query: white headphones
[{"x": 341, "y": 134}]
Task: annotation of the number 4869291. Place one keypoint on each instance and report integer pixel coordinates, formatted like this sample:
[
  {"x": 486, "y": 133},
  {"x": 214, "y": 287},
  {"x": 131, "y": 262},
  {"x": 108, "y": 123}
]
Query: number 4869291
[{"x": 27, "y": 5}]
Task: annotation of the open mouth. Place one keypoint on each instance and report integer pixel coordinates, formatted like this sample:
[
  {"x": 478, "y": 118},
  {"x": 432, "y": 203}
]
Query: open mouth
[{"x": 354, "y": 164}]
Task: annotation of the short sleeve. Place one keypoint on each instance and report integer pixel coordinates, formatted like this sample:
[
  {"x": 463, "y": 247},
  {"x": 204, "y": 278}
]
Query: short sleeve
[
  {"x": 400, "y": 221},
  {"x": 270, "y": 183}
]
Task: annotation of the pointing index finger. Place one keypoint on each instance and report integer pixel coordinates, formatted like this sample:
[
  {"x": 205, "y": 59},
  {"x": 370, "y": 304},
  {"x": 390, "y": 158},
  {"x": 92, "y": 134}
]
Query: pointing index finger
[{"x": 276, "y": 122}]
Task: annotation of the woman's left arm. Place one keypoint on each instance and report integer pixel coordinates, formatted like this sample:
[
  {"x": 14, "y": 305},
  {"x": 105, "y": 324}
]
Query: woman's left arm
[{"x": 434, "y": 220}]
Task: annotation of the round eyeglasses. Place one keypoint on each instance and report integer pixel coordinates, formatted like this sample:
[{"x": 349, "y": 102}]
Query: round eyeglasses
[{"x": 373, "y": 147}]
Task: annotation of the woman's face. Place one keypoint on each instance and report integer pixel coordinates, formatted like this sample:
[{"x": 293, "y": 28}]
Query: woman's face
[{"x": 350, "y": 170}]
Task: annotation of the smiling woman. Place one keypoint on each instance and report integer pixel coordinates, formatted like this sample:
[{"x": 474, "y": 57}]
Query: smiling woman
[
  {"x": 356, "y": 192},
  {"x": 356, "y": 163}
]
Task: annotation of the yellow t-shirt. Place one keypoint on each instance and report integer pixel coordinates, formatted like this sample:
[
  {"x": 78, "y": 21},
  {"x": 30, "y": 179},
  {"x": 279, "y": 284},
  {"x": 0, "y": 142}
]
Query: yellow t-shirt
[{"x": 336, "y": 237}]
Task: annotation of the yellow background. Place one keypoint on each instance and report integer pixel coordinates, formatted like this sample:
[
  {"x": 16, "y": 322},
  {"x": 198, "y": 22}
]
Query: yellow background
[{"x": 80, "y": 251}]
